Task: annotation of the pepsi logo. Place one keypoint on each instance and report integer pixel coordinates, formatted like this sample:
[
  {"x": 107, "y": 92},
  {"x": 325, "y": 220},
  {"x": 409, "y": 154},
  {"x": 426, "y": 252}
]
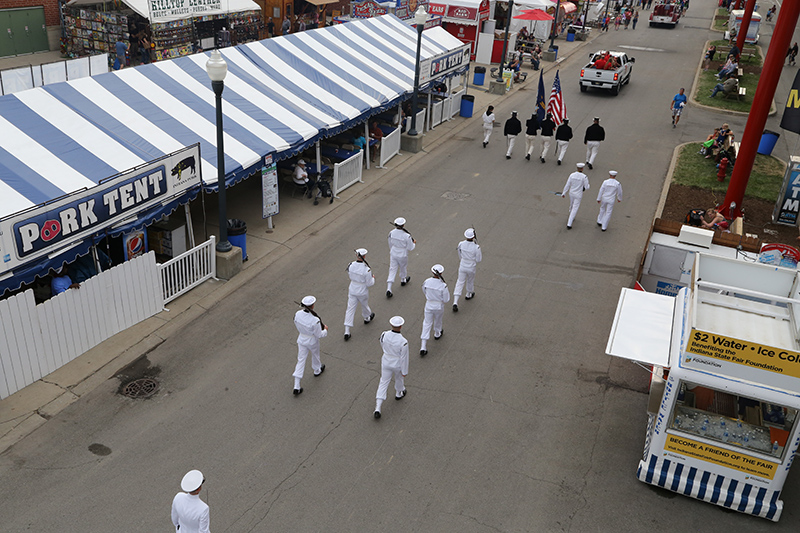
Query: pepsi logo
[{"x": 135, "y": 245}]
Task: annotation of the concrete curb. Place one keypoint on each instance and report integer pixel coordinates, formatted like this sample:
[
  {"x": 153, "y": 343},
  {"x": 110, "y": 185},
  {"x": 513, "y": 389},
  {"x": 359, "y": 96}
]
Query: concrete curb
[{"x": 26, "y": 410}]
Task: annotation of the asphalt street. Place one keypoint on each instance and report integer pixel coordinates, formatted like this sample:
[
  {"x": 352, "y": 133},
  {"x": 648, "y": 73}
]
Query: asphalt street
[{"x": 516, "y": 420}]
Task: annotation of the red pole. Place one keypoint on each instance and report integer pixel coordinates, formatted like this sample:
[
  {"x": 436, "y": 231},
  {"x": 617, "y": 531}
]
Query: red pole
[
  {"x": 765, "y": 91},
  {"x": 738, "y": 4},
  {"x": 744, "y": 27}
]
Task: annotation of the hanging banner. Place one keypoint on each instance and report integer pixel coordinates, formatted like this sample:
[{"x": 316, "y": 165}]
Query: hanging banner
[
  {"x": 791, "y": 115},
  {"x": 787, "y": 207},
  {"x": 52, "y": 228},
  {"x": 443, "y": 64},
  {"x": 269, "y": 188}
]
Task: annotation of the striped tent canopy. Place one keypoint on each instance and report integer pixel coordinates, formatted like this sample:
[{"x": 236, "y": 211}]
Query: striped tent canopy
[{"x": 281, "y": 95}]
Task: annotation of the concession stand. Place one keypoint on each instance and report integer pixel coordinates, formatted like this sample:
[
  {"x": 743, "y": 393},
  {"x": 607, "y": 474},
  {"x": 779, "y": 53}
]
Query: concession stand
[
  {"x": 462, "y": 19},
  {"x": 725, "y": 385}
]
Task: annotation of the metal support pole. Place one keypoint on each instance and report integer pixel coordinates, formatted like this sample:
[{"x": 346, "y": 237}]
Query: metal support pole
[
  {"x": 555, "y": 25},
  {"x": 744, "y": 28},
  {"x": 223, "y": 245},
  {"x": 505, "y": 41},
  {"x": 765, "y": 91},
  {"x": 413, "y": 130},
  {"x": 366, "y": 136}
]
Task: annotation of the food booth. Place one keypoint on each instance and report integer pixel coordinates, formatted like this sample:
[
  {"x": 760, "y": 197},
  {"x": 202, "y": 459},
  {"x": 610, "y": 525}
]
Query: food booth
[
  {"x": 735, "y": 21},
  {"x": 462, "y": 19},
  {"x": 725, "y": 385}
]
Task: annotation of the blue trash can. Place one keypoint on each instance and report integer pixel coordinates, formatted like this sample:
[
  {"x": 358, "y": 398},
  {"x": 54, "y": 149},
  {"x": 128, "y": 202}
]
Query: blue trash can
[
  {"x": 768, "y": 141},
  {"x": 467, "y": 105},
  {"x": 237, "y": 235},
  {"x": 570, "y": 35},
  {"x": 555, "y": 49},
  {"x": 480, "y": 74}
]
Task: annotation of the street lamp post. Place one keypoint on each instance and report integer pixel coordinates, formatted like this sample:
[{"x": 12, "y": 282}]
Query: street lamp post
[
  {"x": 217, "y": 68},
  {"x": 420, "y": 16}
]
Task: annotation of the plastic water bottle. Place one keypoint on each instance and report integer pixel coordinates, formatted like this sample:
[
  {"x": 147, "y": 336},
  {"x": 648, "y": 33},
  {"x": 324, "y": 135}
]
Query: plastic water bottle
[
  {"x": 704, "y": 428},
  {"x": 775, "y": 448},
  {"x": 725, "y": 436},
  {"x": 739, "y": 423},
  {"x": 722, "y": 423}
]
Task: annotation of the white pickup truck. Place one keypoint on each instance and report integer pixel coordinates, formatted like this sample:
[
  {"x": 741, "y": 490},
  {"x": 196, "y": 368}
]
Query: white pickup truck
[{"x": 595, "y": 74}]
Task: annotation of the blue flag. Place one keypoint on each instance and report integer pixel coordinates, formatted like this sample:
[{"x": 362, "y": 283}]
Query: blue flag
[{"x": 541, "y": 106}]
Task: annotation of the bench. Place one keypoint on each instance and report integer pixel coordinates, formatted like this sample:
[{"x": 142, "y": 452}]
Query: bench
[
  {"x": 739, "y": 95},
  {"x": 739, "y": 72}
]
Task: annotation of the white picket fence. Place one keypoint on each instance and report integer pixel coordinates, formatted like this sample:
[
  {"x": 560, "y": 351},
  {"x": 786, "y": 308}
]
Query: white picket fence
[
  {"x": 347, "y": 173},
  {"x": 23, "y": 78},
  {"x": 191, "y": 268},
  {"x": 437, "y": 110},
  {"x": 420, "y": 121},
  {"x": 390, "y": 147},
  {"x": 35, "y": 339}
]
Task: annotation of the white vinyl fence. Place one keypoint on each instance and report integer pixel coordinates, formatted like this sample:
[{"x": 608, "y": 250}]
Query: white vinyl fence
[
  {"x": 22, "y": 78},
  {"x": 437, "y": 110},
  {"x": 390, "y": 147},
  {"x": 347, "y": 173},
  {"x": 420, "y": 121},
  {"x": 35, "y": 339},
  {"x": 191, "y": 268},
  {"x": 455, "y": 103}
]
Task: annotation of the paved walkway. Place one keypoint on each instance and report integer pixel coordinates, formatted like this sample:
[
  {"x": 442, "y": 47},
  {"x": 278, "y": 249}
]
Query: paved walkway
[{"x": 26, "y": 410}]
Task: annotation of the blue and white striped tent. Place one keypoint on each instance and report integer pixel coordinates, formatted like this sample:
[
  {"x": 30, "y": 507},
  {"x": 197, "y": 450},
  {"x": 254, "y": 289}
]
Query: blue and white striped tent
[{"x": 281, "y": 95}]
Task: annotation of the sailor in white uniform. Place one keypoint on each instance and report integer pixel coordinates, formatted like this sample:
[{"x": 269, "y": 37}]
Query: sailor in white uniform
[
  {"x": 189, "y": 512},
  {"x": 470, "y": 254},
  {"x": 394, "y": 363},
  {"x": 361, "y": 279},
  {"x": 436, "y": 295},
  {"x": 610, "y": 190},
  {"x": 310, "y": 330},
  {"x": 577, "y": 182},
  {"x": 400, "y": 243}
]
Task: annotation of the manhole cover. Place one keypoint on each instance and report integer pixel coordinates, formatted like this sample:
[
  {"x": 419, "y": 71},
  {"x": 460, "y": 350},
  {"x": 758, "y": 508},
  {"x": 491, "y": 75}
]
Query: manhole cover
[{"x": 140, "y": 388}]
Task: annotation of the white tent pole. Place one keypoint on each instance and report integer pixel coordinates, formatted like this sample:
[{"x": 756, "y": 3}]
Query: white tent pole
[
  {"x": 189, "y": 225},
  {"x": 319, "y": 161},
  {"x": 366, "y": 136}
]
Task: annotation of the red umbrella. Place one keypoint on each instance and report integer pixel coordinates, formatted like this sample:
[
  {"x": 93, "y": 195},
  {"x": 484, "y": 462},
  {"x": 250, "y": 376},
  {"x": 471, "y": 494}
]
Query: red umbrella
[{"x": 534, "y": 14}]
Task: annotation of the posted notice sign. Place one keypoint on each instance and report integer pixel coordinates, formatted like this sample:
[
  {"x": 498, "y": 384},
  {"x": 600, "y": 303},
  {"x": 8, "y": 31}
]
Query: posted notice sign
[{"x": 269, "y": 188}]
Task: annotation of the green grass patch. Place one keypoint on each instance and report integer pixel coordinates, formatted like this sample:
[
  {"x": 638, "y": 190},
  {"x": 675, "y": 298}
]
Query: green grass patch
[
  {"x": 721, "y": 24},
  {"x": 694, "y": 170},
  {"x": 706, "y": 82}
]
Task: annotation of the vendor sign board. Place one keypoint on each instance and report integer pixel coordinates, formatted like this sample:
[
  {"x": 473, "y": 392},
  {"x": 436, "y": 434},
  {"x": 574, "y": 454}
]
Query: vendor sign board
[
  {"x": 736, "y": 358},
  {"x": 443, "y": 64},
  {"x": 788, "y": 206},
  {"x": 52, "y": 228},
  {"x": 748, "y": 464}
]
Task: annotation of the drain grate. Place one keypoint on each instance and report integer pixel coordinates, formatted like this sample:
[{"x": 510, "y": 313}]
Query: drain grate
[
  {"x": 140, "y": 388},
  {"x": 457, "y": 196}
]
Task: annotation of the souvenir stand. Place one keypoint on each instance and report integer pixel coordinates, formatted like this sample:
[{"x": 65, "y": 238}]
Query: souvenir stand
[{"x": 725, "y": 386}]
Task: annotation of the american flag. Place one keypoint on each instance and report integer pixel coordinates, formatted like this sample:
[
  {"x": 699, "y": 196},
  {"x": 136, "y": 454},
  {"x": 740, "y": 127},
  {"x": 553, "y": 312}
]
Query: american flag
[{"x": 556, "y": 105}]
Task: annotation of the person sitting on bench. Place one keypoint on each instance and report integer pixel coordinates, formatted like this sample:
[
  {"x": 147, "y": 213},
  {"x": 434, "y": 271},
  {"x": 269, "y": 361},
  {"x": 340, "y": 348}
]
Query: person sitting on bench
[{"x": 729, "y": 86}]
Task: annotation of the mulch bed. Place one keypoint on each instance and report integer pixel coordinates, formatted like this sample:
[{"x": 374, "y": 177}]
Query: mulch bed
[{"x": 757, "y": 213}]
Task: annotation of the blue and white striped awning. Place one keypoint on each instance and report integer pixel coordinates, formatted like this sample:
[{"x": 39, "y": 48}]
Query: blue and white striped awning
[{"x": 281, "y": 95}]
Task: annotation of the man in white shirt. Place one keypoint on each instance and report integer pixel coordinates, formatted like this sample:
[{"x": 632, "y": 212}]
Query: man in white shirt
[
  {"x": 488, "y": 124},
  {"x": 394, "y": 363},
  {"x": 310, "y": 330},
  {"x": 436, "y": 295},
  {"x": 301, "y": 177},
  {"x": 577, "y": 182},
  {"x": 361, "y": 279},
  {"x": 610, "y": 191},
  {"x": 400, "y": 243},
  {"x": 189, "y": 512},
  {"x": 469, "y": 252}
]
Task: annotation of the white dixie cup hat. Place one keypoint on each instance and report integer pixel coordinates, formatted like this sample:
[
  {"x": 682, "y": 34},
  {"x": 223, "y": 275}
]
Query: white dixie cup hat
[
  {"x": 309, "y": 301},
  {"x": 397, "y": 321}
]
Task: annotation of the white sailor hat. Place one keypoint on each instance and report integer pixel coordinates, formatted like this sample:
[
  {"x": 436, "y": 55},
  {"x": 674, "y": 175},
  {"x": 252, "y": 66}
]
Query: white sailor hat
[
  {"x": 580, "y": 165},
  {"x": 437, "y": 269},
  {"x": 513, "y": 112},
  {"x": 301, "y": 162},
  {"x": 399, "y": 221},
  {"x": 597, "y": 119},
  {"x": 192, "y": 481},
  {"x": 361, "y": 251},
  {"x": 612, "y": 172},
  {"x": 470, "y": 233},
  {"x": 397, "y": 321},
  {"x": 309, "y": 300}
]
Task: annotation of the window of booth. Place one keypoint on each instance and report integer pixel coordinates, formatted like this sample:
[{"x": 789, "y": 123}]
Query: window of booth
[{"x": 737, "y": 421}]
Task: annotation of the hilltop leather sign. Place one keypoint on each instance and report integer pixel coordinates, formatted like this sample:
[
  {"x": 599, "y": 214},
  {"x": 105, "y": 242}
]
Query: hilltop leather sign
[{"x": 54, "y": 227}]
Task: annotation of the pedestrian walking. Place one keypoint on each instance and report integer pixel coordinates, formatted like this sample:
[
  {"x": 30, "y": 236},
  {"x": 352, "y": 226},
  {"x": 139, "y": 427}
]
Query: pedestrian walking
[
  {"x": 361, "y": 279},
  {"x": 635, "y": 19},
  {"x": 436, "y": 295},
  {"x": 548, "y": 127},
  {"x": 189, "y": 512},
  {"x": 512, "y": 128},
  {"x": 531, "y": 127},
  {"x": 469, "y": 252},
  {"x": 610, "y": 191},
  {"x": 488, "y": 124},
  {"x": 791, "y": 55},
  {"x": 677, "y": 105},
  {"x": 595, "y": 134},
  {"x": 617, "y": 22},
  {"x": 563, "y": 136},
  {"x": 400, "y": 243},
  {"x": 394, "y": 363},
  {"x": 577, "y": 183},
  {"x": 310, "y": 330}
]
